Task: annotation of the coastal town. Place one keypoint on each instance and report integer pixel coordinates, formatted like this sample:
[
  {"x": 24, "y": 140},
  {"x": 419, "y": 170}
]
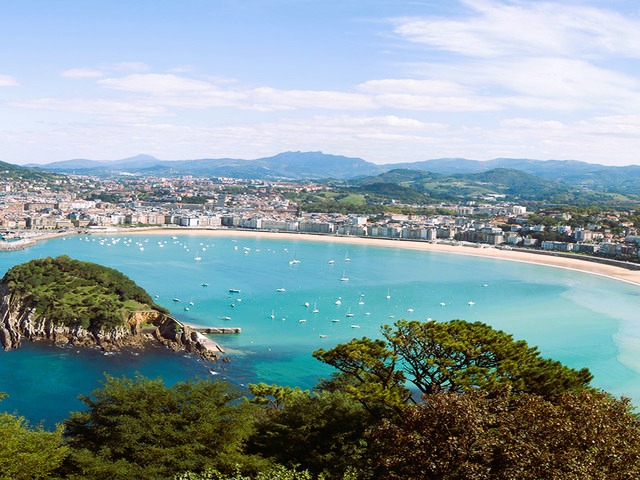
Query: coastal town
[{"x": 30, "y": 208}]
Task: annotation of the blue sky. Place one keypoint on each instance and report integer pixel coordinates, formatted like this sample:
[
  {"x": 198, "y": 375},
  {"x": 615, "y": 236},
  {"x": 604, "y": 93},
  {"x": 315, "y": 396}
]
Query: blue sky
[{"x": 384, "y": 80}]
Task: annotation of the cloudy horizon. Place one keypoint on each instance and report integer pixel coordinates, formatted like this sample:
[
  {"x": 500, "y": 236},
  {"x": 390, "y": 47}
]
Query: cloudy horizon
[{"x": 397, "y": 81}]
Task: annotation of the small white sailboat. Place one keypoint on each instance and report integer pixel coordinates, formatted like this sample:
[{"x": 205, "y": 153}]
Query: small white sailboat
[
  {"x": 281, "y": 290},
  {"x": 335, "y": 320},
  {"x": 339, "y": 301},
  {"x": 322, "y": 336},
  {"x": 344, "y": 277},
  {"x": 331, "y": 262},
  {"x": 349, "y": 314},
  {"x": 471, "y": 303},
  {"x": 302, "y": 320},
  {"x": 272, "y": 316},
  {"x": 410, "y": 310},
  {"x": 442, "y": 304},
  {"x": 388, "y": 294},
  {"x": 307, "y": 304},
  {"x": 355, "y": 326},
  {"x": 197, "y": 259},
  {"x": 315, "y": 308}
]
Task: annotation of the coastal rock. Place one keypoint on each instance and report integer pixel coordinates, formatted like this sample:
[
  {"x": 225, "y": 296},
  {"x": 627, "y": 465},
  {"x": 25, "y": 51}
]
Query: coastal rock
[
  {"x": 18, "y": 323},
  {"x": 178, "y": 336}
]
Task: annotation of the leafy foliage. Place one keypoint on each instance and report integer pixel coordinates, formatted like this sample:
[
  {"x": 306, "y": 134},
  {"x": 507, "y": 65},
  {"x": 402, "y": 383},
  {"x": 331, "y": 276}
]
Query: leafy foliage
[
  {"x": 139, "y": 428},
  {"x": 453, "y": 356},
  {"x": 28, "y": 452},
  {"x": 321, "y": 432},
  {"x": 275, "y": 473},
  {"x": 458, "y": 356},
  {"x": 499, "y": 436},
  {"x": 492, "y": 409},
  {"x": 370, "y": 374},
  {"x": 75, "y": 293}
]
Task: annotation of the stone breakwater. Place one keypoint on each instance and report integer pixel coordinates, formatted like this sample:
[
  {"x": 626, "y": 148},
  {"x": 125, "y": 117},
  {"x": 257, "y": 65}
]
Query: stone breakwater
[
  {"x": 17, "y": 245},
  {"x": 19, "y": 322}
]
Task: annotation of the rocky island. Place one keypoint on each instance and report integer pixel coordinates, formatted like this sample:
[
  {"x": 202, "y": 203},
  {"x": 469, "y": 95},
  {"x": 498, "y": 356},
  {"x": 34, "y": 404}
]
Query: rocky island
[{"x": 66, "y": 301}]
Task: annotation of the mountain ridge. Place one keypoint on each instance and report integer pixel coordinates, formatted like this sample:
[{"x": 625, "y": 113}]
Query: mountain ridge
[{"x": 296, "y": 165}]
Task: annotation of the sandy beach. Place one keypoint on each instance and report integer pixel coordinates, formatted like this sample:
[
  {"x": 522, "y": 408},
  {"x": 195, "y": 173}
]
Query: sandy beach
[{"x": 582, "y": 265}]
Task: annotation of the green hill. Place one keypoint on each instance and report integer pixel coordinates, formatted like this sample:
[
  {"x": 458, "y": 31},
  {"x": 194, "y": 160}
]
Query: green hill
[{"x": 77, "y": 294}]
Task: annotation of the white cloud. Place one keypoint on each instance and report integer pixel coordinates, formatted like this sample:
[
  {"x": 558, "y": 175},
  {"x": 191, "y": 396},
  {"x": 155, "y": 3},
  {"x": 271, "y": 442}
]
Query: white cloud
[
  {"x": 414, "y": 86},
  {"x": 92, "y": 107},
  {"x": 436, "y": 104},
  {"x": 404, "y": 94},
  {"x": 429, "y": 95},
  {"x": 177, "y": 91},
  {"x": 528, "y": 123},
  {"x": 156, "y": 84},
  {"x": 82, "y": 73},
  {"x": 266, "y": 98},
  {"x": 530, "y": 55},
  {"x": 556, "y": 83},
  {"x": 496, "y": 29},
  {"x": 129, "y": 67},
  {"x": 378, "y": 138},
  {"x": 8, "y": 81}
]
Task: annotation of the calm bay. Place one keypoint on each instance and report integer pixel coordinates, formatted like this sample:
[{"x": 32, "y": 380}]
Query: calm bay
[{"x": 295, "y": 296}]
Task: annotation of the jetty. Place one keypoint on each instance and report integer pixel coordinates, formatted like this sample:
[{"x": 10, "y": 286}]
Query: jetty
[
  {"x": 168, "y": 328},
  {"x": 216, "y": 330}
]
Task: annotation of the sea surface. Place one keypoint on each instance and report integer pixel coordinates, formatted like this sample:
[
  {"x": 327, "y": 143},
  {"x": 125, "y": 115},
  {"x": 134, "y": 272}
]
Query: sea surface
[{"x": 296, "y": 296}]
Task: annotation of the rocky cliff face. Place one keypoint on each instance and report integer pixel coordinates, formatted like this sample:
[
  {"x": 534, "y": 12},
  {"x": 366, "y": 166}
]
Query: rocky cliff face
[
  {"x": 177, "y": 337},
  {"x": 19, "y": 322}
]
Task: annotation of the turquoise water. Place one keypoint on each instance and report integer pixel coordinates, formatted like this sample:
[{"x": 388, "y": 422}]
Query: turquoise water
[{"x": 579, "y": 319}]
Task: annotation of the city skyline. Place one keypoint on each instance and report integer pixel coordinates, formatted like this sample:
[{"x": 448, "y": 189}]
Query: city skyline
[{"x": 381, "y": 80}]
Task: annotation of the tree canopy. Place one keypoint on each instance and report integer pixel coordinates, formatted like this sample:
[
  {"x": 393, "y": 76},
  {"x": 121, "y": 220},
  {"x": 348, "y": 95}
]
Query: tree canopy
[
  {"x": 482, "y": 435},
  {"x": 321, "y": 432},
  {"x": 491, "y": 409},
  {"x": 76, "y": 293},
  {"x": 28, "y": 452},
  {"x": 139, "y": 428},
  {"x": 454, "y": 356}
]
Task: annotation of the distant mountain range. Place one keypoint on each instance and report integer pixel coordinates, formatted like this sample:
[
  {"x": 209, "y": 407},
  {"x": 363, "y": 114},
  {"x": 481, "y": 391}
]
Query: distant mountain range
[
  {"x": 318, "y": 165},
  {"x": 288, "y": 165}
]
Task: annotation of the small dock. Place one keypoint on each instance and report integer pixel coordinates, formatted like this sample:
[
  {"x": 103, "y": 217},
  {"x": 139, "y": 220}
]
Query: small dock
[{"x": 216, "y": 330}]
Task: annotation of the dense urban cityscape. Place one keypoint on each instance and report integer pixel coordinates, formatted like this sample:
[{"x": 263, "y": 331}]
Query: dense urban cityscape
[{"x": 30, "y": 207}]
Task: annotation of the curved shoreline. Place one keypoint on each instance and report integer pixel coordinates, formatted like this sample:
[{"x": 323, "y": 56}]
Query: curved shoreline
[{"x": 578, "y": 264}]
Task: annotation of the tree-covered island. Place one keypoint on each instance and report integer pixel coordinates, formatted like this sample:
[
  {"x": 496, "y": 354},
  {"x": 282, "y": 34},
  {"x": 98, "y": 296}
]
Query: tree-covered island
[{"x": 63, "y": 300}]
